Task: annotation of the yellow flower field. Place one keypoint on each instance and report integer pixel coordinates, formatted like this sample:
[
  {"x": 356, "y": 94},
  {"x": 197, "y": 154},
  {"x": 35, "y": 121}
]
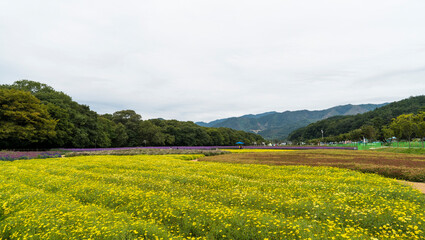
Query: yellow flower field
[{"x": 169, "y": 197}]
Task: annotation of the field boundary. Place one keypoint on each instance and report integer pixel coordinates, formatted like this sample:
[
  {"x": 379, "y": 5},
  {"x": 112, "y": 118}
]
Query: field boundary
[{"x": 416, "y": 185}]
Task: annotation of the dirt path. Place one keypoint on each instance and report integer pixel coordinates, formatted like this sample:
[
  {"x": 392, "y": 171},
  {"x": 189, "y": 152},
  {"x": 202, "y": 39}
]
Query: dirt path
[{"x": 418, "y": 185}]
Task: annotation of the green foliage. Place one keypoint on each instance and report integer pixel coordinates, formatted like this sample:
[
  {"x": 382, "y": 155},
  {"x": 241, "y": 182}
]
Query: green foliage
[
  {"x": 351, "y": 127},
  {"x": 75, "y": 125},
  {"x": 194, "y": 153},
  {"x": 419, "y": 120},
  {"x": 368, "y": 131},
  {"x": 24, "y": 121},
  {"x": 275, "y": 125},
  {"x": 407, "y": 125},
  {"x": 166, "y": 197},
  {"x": 190, "y": 134},
  {"x": 416, "y": 151},
  {"x": 403, "y": 126},
  {"x": 131, "y": 121}
]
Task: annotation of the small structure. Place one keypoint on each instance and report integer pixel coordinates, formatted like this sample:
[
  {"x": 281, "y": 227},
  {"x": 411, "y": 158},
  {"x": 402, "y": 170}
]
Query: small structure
[{"x": 240, "y": 144}]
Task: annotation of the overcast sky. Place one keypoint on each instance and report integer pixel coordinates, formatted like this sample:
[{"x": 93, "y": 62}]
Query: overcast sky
[{"x": 202, "y": 60}]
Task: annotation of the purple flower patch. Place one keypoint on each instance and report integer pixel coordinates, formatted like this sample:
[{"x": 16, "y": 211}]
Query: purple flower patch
[
  {"x": 11, "y": 155},
  {"x": 209, "y": 148}
]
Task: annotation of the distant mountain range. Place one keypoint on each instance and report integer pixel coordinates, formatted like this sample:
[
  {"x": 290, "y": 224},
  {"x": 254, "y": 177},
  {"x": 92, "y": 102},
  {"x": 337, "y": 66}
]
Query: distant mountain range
[{"x": 278, "y": 125}]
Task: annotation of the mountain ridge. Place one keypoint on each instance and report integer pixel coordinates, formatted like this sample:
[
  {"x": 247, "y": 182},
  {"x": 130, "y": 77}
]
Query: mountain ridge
[
  {"x": 376, "y": 120},
  {"x": 278, "y": 125}
]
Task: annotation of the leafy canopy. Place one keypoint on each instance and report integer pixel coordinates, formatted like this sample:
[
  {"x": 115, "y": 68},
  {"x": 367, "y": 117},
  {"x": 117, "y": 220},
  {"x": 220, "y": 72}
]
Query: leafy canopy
[{"x": 23, "y": 119}]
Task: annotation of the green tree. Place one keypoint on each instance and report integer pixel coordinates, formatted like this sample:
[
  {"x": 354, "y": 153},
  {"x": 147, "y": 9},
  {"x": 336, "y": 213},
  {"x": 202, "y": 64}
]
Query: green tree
[
  {"x": 356, "y": 135},
  {"x": 131, "y": 121},
  {"x": 24, "y": 121},
  {"x": 151, "y": 134},
  {"x": 388, "y": 133},
  {"x": 368, "y": 132},
  {"x": 343, "y": 124},
  {"x": 216, "y": 138},
  {"x": 404, "y": 126},
  {"x": 77, "y": 125},
  {"x": 419, "y": 120},
  {"x": 116, "y": 131}
]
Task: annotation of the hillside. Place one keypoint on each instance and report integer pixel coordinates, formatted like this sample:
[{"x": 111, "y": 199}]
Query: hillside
[
  {"x": 278, "y": 125},
  {"x": 343, "y": 124},
  {"x": 35, "y": 116}
]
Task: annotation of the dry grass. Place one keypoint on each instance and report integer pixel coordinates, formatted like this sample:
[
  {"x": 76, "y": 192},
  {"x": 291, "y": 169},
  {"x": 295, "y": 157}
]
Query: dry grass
[{"x": 396, "y": 165}]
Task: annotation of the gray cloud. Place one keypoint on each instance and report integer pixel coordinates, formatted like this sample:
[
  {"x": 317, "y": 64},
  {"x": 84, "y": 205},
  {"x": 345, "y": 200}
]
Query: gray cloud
[{"x": 202, "y": 60}]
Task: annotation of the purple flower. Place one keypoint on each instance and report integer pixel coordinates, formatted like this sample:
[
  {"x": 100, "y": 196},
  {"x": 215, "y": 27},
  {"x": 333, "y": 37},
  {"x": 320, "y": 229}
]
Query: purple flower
[
  {"x": 208, "y": 148},
  {"x": 12, "y": 155}
]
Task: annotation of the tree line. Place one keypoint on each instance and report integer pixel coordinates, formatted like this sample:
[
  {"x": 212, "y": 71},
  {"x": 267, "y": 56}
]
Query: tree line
[
  {"x": 407, "y": 126},
  {"x": 34, "y": 115},
  {"x": 370, "y": 125},
  {"x": 403, "y": 127}
]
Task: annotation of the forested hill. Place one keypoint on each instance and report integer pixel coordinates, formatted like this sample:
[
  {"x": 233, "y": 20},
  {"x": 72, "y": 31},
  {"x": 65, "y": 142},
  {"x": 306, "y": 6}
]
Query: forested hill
[
  {"x": 34, "y": 115},
  {"x": 372, "y": 121},
  {"x": 278, "y": 125}
]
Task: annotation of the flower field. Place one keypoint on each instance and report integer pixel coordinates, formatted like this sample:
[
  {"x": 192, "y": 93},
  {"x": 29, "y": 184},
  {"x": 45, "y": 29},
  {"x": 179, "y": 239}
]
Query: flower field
[
  {"x": 410, "y": 167},
  {"x": 170, "y": 197},
  {"x": 207, "y": 148},
  {"x": 148, "y": 151},
  {"x": 257, "y": 150},
  {"x": 13, "y": 155}
]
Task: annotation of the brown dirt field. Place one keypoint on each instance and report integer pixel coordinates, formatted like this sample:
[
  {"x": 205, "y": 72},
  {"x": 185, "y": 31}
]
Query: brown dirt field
[
  {"x": 397, "y": 165},
  {"x": 324, "y": 157}
]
